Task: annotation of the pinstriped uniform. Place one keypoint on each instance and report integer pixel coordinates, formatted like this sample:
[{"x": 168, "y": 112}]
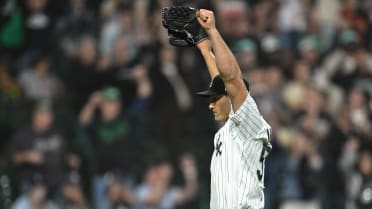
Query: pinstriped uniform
[{"x": 237, "y": 165}]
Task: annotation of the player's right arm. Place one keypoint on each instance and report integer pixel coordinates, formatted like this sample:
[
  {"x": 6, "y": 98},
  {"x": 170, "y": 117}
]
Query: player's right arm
[{"x": 227, "y": 65}]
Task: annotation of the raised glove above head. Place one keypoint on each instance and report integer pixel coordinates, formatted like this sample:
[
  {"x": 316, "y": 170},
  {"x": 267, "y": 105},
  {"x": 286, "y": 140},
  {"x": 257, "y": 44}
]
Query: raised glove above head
[{"x": 182, "y": 25}]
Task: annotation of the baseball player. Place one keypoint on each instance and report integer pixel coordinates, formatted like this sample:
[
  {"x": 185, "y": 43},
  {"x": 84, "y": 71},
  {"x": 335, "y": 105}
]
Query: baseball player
[{"x": 242, "y": 143}]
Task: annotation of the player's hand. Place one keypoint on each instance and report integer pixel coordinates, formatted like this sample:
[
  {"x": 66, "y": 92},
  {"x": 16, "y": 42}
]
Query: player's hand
[{"x": 206, "y": 19}]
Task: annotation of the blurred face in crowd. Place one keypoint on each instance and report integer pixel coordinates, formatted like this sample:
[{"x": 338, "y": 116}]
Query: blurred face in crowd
[
  {"x": 165, "y": 172},
  {"x": 310, "y": 55},
  {"x": 88, "y": 51},
  {"x": 110, "y": 109},
  {"x": 256, "y": 80},
  {"x": 246, "y": 59},
  {"x": 42, "y": 120},
  {"x": 362, "y": 59},
  {"x": 356, "y": 99},
  {"x": 36, "y": 5},
  {"x": 220, "y": 106},
  {"x": 314, "y": 100},
  {"x": 365, "y": 163},
  {"x": 299, "y": 145},
  {"x": 301, "y": 71},
  {"x": 37, "y": 195},
  {"x": 160, "y": 174},
  {"x": 41, "y": 66},
  {"x": 72, "y": 192},
  {"x": 273, "y": 78},
  {"x": 232, "y": 18},
  {"x": 151, "y": 176},
  {"x": 126, "y": 19},
  {"x": 114, "y": 191},
  {"x": 77, "y": 4},
  {"x": 123, "y": 51}
]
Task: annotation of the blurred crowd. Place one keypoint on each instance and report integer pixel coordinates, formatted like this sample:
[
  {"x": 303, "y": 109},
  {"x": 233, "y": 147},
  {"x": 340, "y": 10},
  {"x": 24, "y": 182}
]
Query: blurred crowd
[{"x": 98, "y": 111}]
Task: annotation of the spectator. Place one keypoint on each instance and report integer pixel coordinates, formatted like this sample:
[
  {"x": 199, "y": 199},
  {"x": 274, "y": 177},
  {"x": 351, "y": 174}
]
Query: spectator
[
  {"x": 77, "y": 22},
  {"x": 341, "y": 60},
  {"x": 354, "y": 19},
  {"x": 266, "y": 99},
  {"x": 72, "y": 193},
  {"x": 36, "y": 197},
  {"x": 367, "y": 7},
  {"x": 39, "y": 82},
  {"x": 362, "y": 200},
  {"x": 119, "y": 31},
  {"x": 292, "y": 23},
  {"x": 168, "y": 106},
  {"x": 310, "y": 49},
  {"x": 11, "y": 26},
  {"x": 156, "y": 192},
  {"x": 246, "y": 54},
  {"x": 111, "y": 134},
  {"x": 270, "y": 54},
  {"x": 302, "y": 170},
  {"x": 38, "y": 26},
  {"x": 263, "y": 18},
  {"x": 312, "y": 117},
  {"x": 82, "y": 75},
  {"x": 356, "y": 164},
  {"x": 359, "y": 112},
  {"x": 328, "y": 13},
  {"x": 10, "y": 100},
  {"x": 233, "y": 18},
  {"x": 294, "y": 91},
  {"x": 111, "y": 8},
  {"x": 40, "y": 147}
]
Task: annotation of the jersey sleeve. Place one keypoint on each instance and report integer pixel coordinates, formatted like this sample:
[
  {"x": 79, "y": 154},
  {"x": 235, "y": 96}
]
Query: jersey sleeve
[{"x": 249, "y": 120}]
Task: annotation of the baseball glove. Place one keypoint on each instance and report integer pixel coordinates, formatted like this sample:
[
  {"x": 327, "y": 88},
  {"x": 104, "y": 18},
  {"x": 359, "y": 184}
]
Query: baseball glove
[{"x": 182, "y": 25}]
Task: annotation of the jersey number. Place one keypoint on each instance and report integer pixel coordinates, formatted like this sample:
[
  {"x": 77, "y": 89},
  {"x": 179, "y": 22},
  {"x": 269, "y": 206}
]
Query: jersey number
[
  {"x": 262, "y": 159},
  {"x": 265, "y": 150}
]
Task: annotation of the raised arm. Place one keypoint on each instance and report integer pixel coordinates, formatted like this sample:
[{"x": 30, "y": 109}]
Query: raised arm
[
  {"x": 205, "y": 48},
  {"x": 190, "y": 173},
  {"x": 226, "y": 63},
  {"x": 86, "y": 114}
]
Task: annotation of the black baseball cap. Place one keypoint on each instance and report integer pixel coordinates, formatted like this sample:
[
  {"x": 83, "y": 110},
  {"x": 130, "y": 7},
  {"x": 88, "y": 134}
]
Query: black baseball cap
[{"x": 217, "y": 87}]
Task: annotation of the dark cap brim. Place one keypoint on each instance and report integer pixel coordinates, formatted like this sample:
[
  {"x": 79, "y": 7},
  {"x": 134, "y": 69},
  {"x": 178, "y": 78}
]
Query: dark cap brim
[{"x": 207, "y": 93}]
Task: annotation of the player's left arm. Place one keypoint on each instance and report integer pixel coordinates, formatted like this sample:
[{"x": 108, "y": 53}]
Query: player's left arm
[
  {"x": 227, "y": 65},
  {"x": 205, "y": 48}
]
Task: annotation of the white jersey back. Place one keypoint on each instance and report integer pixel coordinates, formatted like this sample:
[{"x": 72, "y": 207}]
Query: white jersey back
[{"x": 237, "y": 166}]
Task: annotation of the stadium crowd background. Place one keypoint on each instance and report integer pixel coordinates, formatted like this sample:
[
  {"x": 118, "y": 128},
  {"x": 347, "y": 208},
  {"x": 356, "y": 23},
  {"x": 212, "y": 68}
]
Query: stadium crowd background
[{"x": 98, "y": 108}]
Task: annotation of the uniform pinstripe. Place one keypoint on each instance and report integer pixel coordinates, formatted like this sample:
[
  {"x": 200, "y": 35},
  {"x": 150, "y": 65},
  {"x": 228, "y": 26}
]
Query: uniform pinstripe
[{"x": 241, "y": 146}]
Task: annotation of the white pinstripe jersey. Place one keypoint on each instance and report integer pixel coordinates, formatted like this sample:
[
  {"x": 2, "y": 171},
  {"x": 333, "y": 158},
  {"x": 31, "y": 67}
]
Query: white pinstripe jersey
[{"x": 237, "y": 165}]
